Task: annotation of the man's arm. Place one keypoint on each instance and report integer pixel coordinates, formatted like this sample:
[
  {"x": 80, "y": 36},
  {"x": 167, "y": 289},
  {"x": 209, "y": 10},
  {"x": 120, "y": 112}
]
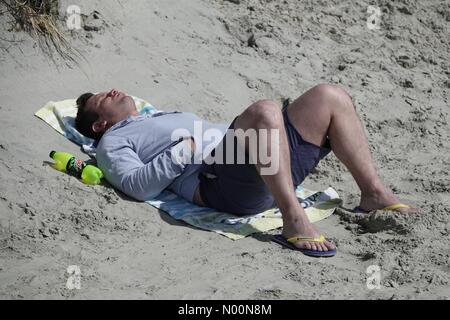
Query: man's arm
[{"x": 125, "y": 170}]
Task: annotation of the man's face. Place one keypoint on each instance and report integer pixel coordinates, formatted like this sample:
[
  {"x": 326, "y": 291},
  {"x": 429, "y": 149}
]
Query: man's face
[{"x": 111, "y": 107}]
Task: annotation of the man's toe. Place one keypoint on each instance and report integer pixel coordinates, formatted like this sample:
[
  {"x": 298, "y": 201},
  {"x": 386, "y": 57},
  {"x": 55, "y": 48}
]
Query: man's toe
[
  {"x": 413, "y": 210},
  {"x": 303, "y": 245},
  {"x": 410, "y": 210},
  {"x": 307, "y": 245},
  {"x": 329, "y": 245}
]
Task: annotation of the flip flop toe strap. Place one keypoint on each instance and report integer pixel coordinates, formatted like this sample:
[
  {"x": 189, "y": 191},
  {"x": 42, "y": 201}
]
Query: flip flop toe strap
[{"x": 320, "y": 239}]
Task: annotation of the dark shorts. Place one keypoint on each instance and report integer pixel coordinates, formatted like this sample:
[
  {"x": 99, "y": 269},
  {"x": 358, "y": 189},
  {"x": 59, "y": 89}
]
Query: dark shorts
[{"x": 239, "y": 189}]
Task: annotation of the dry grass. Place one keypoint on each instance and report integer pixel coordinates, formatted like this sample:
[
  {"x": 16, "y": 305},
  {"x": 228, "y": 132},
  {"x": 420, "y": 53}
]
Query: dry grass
[{"x": 39, "y": 18}]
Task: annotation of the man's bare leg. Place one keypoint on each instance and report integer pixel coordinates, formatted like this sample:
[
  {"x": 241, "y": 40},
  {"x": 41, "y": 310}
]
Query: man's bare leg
[
  {"x": 327, "y": 110},
  {"x": 266, "y": 114}
]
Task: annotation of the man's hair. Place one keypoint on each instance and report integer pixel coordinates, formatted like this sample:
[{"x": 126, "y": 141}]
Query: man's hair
[{"x": 86, "y": 117}]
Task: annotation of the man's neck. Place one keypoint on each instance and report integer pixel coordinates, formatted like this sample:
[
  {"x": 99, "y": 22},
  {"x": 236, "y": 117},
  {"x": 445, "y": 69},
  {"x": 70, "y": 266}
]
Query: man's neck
[{"x": 133, "y": 113}]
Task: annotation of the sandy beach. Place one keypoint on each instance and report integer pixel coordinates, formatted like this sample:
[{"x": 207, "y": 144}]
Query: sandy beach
[{"x": 215, "y": 58}]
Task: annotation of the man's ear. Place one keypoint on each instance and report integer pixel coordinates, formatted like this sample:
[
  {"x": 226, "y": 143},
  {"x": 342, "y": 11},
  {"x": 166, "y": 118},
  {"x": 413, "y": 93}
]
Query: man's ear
[{"x": 99, "y": 126}]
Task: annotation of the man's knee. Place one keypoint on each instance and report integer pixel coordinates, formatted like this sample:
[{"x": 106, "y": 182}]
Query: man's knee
[
  {"x": 265, "y": 112},
  {"x": 334, "y": 94}
]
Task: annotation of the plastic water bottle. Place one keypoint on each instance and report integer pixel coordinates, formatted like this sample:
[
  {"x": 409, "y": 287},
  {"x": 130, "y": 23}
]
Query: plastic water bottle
[{"x": 67, "y": 162}]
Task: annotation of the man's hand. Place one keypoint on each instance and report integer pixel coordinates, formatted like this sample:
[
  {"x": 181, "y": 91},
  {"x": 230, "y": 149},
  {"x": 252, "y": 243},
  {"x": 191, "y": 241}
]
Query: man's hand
[
  {"x": 192, "y": 144},
  {"x": 184, "y": 151}
]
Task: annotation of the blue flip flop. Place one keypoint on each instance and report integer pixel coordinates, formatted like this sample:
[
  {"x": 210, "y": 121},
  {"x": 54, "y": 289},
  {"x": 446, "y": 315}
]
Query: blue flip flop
[{"x": 289, "y": 243}]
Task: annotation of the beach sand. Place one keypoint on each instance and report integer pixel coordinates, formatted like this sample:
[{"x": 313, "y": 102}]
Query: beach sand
[{"x": 215, "y": 58}]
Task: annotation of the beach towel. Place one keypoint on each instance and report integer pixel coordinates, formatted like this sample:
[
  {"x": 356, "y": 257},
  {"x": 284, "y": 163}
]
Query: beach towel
[{"x": 318, "y": 205}]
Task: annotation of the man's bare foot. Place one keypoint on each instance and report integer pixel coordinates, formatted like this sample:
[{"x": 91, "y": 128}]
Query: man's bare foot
[
  {"x": 380, "y": 199},
  {"x": 305, "y": 229}
]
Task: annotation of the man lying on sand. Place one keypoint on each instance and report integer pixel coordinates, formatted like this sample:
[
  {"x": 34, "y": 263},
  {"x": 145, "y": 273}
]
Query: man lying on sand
[{"x": 139, "y": 156}]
